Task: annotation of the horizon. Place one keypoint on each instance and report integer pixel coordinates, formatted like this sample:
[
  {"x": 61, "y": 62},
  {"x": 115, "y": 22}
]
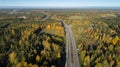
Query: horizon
[{"x": 38, "y": 7}]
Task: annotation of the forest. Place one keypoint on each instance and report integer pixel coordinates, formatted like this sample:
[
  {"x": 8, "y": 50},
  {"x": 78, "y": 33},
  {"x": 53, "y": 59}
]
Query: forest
[
  {"x": 97, "y": 33},
  {"x": 26, "y": 41},
  {"x": 36, "y": 38}
]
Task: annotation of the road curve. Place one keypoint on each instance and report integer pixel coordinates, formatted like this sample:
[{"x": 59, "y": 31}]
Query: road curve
[{"x": 71, "y": 50}]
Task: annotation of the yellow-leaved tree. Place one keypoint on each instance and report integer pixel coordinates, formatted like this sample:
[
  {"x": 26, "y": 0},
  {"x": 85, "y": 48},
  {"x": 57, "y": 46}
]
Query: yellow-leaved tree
[
  {"x": 37, "y": 58},
  {"x": 115, "y": 40},
  {"x": 86, "y": 61},
  {"x": 12, "y": 57}
]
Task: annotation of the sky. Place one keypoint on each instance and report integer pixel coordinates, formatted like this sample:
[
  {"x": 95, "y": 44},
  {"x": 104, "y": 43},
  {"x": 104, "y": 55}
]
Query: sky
[{"x": 61, "y": 3}]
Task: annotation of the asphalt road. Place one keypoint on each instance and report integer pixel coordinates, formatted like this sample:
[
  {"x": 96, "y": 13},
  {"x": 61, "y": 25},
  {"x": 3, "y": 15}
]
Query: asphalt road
[{"x": 71, "y": 50}]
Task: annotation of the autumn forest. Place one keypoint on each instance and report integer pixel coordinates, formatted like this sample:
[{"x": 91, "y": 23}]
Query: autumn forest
[{"x": 37, "y": 37}]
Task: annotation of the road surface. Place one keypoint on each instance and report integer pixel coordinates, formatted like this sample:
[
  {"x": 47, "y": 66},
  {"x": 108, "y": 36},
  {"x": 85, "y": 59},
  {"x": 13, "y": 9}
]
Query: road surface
[{"x": 71, "y": 50}]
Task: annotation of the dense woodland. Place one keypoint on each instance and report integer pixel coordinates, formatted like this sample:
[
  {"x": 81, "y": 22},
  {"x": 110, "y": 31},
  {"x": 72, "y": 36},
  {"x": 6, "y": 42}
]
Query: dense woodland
[
  {"x": 97, "y": 35},
  {"x": 30, "y": 42},
  {"x": 29, "y": 39}
]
